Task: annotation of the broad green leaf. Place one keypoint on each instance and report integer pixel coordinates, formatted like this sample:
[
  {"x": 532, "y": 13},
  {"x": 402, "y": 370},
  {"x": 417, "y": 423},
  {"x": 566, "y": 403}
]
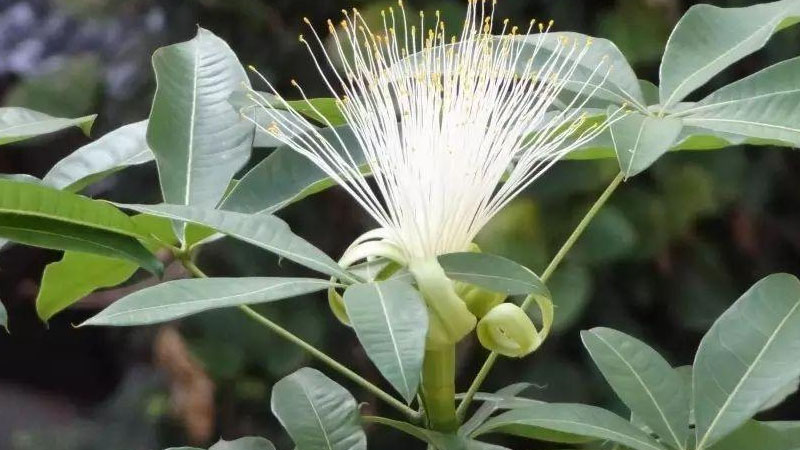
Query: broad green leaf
[
  {"x": 439, "y": 441},
  {"x": 755, "y": 435},
  {"x": 45, "y": 217},
  {"x": 262, "y": 230},
  {"x": 79, "y": 274},
  {"x": 788, "y": 429},
  {"x": 640, "y": 140},
  {"x": 493, "y": 273},
  {"x": 180, "y": 298},
  {"x": 199, "y": 139},
  {"x": 491, "y": 406},
  {"x": 21, "y": 177},
  {"x": 708, "y": 39},
  {"x": 651, "y": 388},
  {"x": 3, "y": 317},
  {"x": 621, "y": 86},
  {"x": 761, "y": 106},
  {"x": 569, "y": 423},
  {"x": 317, "y": 413},
  {"x": 391, "y": 321},
  {"x": 245, "y": 443},
  {"x": 649, "y": 92},
  {"x": 780, "y": 396},
  {"x": 17, "y": 124},
  {"x": 286, "y": 176},
  {"x": 748, "y": 355},
  {"x": 123, "y": 147}
]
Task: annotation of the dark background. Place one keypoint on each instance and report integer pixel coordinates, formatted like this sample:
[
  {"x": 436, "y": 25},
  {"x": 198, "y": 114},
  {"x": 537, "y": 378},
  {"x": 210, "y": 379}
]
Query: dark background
[{"x": 674, "y": 247}]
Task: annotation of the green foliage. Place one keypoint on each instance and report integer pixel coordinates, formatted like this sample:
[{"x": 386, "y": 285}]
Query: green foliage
[
  {"x": 18, "y": 124},
  {"x": 3, "y": 317}
]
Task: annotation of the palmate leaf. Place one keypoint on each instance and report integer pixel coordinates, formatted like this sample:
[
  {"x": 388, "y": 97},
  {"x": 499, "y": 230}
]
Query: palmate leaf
[
  {"x": 640, "y": 140},
  {"x": 45, "y": 217},
  {"x": 651, "y": 388},
  {"x": 317, "y": 413},
  {"x": 391, "y": 321},
  {"x": 123, "y": 147},
  {"x": 747, "y": 356},
  {"x": 708, "y": 39},
  {"x": 569, "y": 423},
  {"x": 199, "y": 139},
  {"x": 180, "y": 298},
  {"x": 765, "y": 105},
  {"x": 17, "y": 124}
]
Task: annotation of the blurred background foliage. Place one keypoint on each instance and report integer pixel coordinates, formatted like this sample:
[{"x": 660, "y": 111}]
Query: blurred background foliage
[{"x": 674, "y": 247}]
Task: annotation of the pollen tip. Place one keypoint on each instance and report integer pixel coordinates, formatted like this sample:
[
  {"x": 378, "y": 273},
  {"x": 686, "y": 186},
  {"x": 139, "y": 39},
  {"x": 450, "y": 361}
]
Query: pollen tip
[
  {"x": 251, "y": 67},
  {"x": 305, "y": 19},
  {"x": 294, "y": 82}
]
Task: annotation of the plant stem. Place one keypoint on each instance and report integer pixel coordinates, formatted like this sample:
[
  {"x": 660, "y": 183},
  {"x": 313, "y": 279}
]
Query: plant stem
[
  {"x": 333, "y": 364},
  {"x": 548, "y": 272},
  {"x": 439, "y": 389}
]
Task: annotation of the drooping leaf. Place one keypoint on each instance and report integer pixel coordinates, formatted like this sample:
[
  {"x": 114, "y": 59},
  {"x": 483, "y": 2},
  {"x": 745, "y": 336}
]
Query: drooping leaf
[
  {"x": 17, "y": 124},
  {"x": 651, "y": 388},
  {"x": 180, "y": 298},
  {"x": 761, "y": 106},
  {"x": 569, "y": 423},
  {"x": 317, "y": 413},
  {"x": 123, "y": 147},
  {"x": 491, "y": 406},
  {"x": 244, "y": 443},
  {"x": 286, "y": 176},
  {"x": 78, "y": 274},
  {"x": 391, "y": 321},
  {"x": 640, "y": 140},
  {"x": 262, "y": 230},
  {"x": 199, "y": 139},
  {"x": 45, "y": 217},
  {"x": 746, "y": 357},
  {"x": 708, "y": 39}
]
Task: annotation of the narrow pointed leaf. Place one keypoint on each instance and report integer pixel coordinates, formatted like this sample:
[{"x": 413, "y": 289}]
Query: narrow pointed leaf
[
  {"x": 569, "y": 423},
  {"x": 708, "y": 39},
  {"x": 262, "y": 230},
  {"x": 123, "y": 147},
  {"x": 440, "y": 441},
  {"x": 640, "y": 140},
  {"x": 3, "y": 317},
  {"x": 198, "y": 137},
  {"x": 651, "y": 388},
  {"x": 180, "y": 298},
  {"x": 765, "y": 105},
  {"x": 318, "y": 413},
  {"x": 489, "y": 407},
  {"x": 245, "y": 443},
  {"x": 748, "y": 355},
  {"x": 45, "y": 217},
  {"x": 286, "y": 176},
  {"x": 391, "y": 321},
  {"x": 17, "y": 124}
]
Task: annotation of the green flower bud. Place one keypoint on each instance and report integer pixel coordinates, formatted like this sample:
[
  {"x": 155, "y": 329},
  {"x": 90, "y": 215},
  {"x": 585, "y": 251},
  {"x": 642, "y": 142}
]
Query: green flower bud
[
  {"x": 479, "y": 301},
  {"x": 336, "y": 303},
  {"x": 507, "y": 330}
]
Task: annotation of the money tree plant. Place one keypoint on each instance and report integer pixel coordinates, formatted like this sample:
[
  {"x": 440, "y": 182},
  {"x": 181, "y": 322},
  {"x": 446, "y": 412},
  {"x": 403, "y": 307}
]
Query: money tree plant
[{"x": 431, "y": 134}]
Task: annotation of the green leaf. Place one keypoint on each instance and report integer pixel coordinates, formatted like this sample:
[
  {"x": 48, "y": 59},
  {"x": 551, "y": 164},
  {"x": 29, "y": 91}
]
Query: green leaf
[
  {"x": 79, "y": 274},
  {"x": 45, "y": 217},
  {"x": 317, "y": 413},
  {"x": 3, "y": 317},
  {"x": 262, "y": 230},
  {"x": 756, "y": 435},
  {"x": 123, "y": 147},
  {"x": 199, "y": 139},
  {"x": 245, "y": 443},
  {"x": 748, "y": 355},
  {"x": 323, "y": 110},
  {"x": 491, "y": 406},
  {"x": 708, "y": 39},
  {"x": 569, "y": 423},
  {"x": 180, "y": 298},
  {"x": 286, "y": 176},
  {"x": 439, "y": 441},
  {"x": 761, "y": 106},
  {"x": 788, "y": 429},
  {"x": 391, "y": 321},
  {"x": 640, "y": 140},
  {"x": 493, "y": 273},
  {"x": 17, "y": 124},
  {"x": 621, "y": 86},
  {"x": 651, "y": 388}
]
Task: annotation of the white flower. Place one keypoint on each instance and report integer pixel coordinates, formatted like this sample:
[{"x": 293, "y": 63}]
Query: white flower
[{"x": 452, "y": 129}]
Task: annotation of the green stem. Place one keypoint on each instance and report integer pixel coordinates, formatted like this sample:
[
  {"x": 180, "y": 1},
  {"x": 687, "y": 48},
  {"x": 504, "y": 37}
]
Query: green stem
[
  {"x": 439, "y": 389},
  {"x": 333, "y": 364},
  {"x": 548, "y": 272}
]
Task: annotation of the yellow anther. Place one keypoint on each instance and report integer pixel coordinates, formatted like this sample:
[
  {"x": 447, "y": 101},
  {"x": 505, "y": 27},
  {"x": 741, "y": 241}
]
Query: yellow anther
[
  {"x": 343, "y": 24},
  {"x": 541, "y": 27},
  {"x": 514, "y": 29},
  {"x": 305, "y": 19},
  {"x": 273, "y": 128},
  {"x": 301, "y": 39},
  {"x": 505, "y": 21},
  {"x": 400, "y": 3},
  {"x": 589, "y": 41},
  {"x": 293, "y": 82},
  {"x": 550, "y": 24}
]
